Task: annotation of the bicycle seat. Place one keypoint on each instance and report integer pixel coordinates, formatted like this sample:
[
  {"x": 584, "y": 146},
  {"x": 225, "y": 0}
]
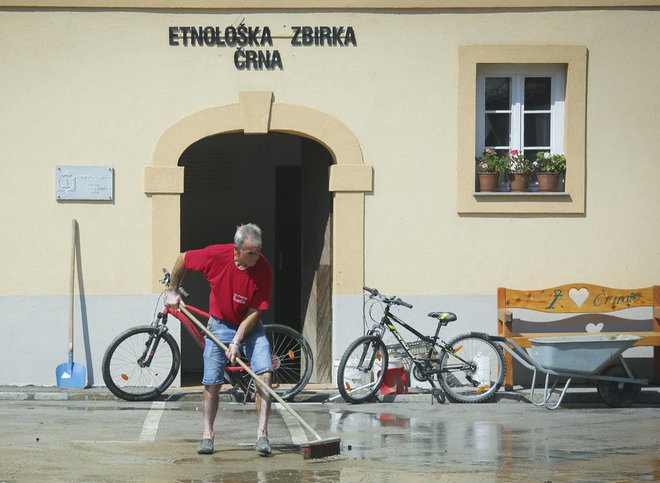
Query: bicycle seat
[{"x": 443, "y": 316}]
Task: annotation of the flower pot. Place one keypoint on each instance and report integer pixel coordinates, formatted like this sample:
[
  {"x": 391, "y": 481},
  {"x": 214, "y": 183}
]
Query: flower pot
[
  {"x": 547, "y": 181},
  {"x": 489, "y": 181},
  {"x": 519, "y": 181}
]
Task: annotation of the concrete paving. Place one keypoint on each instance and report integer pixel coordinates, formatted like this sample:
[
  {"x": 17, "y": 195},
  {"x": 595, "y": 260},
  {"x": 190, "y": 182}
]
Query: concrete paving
[{"x": 90, "y": 436}]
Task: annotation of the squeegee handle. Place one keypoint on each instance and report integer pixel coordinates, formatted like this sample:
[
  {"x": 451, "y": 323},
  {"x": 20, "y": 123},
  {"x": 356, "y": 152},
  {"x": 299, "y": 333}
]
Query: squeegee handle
[{"x": 249, "y": 371}]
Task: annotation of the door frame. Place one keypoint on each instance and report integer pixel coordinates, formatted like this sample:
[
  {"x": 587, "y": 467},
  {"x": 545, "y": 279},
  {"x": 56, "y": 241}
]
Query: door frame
[{"x": 257, "y": 113}]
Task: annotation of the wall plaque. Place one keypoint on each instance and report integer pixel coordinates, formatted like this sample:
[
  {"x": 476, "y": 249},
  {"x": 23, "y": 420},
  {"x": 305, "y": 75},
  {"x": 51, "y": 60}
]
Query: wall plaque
[{"x": 95, "y": 183}]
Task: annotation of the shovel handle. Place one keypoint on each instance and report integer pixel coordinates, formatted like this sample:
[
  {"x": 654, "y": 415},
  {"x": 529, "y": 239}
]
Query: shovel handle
[
  {"x": 74, "y": 226},
  {"x": 249, "y": 371}
]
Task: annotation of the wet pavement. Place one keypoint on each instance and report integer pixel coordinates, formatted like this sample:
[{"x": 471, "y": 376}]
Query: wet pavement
[{"x": 410, "y": 439}]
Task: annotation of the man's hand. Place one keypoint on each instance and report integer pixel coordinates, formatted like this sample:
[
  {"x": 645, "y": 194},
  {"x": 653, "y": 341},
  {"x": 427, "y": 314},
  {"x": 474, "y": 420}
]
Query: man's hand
[
  {"x": 233, "y": 353},
  {"x": 173, "y": 298}
]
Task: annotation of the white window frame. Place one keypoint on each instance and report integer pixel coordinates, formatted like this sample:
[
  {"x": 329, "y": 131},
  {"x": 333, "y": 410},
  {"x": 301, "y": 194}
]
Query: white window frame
[
  {"x": 572, "y": 200},
  {"x": 517, "y": 73}
]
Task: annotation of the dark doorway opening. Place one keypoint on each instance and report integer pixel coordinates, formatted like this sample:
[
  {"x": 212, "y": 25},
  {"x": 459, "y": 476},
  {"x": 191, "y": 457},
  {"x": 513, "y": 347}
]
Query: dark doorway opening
[
  {"x": 279, "y": 182},
  {"x": 286, "y": 269}
]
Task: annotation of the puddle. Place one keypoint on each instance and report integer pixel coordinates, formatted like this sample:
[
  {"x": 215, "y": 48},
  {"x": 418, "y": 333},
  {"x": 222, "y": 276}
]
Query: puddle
[{"x": 489, "y": 445}]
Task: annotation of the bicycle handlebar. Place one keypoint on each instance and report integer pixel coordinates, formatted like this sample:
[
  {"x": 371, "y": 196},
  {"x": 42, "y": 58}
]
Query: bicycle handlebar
[
  {"x": 166, "y": 281},
  {"x": 388, "y": 300}
]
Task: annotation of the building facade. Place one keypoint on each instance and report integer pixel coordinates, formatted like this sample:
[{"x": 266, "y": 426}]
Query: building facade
[{"x": 347, "y": 130}]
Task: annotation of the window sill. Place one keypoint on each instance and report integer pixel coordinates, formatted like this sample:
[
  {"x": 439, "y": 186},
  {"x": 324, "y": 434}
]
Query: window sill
[{"x": 521, "y": 193}]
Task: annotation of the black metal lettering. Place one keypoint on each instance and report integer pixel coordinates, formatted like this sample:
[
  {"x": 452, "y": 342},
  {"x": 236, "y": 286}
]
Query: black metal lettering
[
  {"x": 251, "y": 59},
  {"x": 186, "y": 33},
  {"x": 337, "y": 32},
  {"x": 276, "y": 61},
  {"x": 266, "y": 38},
  {"x": 239, "y": 61},
  {"x": 307, "y": 36},
  {"x": 174, "y": 36},
  {"x": 296, "y": 33},
  {"x": 350, "y": 37},
  {"x": 196, "y": 36},
  {"x": 230, "y": 36},
  {"x": 209, "y": 36},
  {"x": 218, "y": 38},
  {"x": 325, "y": 35},
  {"x": 252, "y": 36},
  {"x": 242, "y": 35}
]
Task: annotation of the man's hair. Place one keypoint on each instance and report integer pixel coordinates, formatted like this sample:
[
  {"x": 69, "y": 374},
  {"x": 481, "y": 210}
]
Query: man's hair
[{"x": 249, "y": 231}]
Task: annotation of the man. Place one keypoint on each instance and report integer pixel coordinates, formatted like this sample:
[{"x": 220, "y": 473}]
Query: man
[{"x": 241, "y": 281}]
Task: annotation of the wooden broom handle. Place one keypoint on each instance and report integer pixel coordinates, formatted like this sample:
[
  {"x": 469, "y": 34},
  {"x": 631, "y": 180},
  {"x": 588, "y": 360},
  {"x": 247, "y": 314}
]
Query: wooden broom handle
[{"x": 249, "y": 371}]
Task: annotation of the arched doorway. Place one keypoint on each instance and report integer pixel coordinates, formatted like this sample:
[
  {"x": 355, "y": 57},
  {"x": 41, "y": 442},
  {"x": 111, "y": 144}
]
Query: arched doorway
[
  {"x": 256, "y": 113},
  {"x": 280, "y": 182}
]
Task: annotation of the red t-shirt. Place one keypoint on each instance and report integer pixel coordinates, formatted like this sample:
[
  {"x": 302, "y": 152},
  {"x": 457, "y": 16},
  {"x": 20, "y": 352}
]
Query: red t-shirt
[{"x": 233, "y": 291}]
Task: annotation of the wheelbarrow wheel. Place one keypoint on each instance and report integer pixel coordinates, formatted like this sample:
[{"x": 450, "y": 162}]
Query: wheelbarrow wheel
[{"x": 617, "y": 394}]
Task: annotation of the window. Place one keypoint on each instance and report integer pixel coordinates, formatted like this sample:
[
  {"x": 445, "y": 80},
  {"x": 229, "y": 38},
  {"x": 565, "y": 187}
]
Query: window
[
  {"x": 520, "y": 107},
  {"x": 536, "y": 101}
]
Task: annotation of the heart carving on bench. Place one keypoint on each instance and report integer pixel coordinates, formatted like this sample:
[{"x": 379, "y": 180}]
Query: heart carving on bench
[
  {"x": 594, "y": 327},
  {"x": 578, "y": 296}
]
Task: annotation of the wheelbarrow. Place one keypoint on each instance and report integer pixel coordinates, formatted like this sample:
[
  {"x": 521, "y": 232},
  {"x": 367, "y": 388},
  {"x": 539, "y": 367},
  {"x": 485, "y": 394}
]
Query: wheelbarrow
[{"x": 591, "y": 357}]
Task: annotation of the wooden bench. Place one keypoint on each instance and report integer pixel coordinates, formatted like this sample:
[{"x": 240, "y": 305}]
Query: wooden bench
[{"x": 581, "y": 307}]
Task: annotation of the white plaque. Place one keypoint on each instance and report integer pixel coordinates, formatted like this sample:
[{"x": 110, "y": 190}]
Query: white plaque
[{"x": 85, "y": 183}]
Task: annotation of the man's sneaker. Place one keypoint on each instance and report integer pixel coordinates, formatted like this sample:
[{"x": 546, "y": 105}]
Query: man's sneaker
[
  {"x": 205, "y": 446},
  {"x": 263, "y": 446}
]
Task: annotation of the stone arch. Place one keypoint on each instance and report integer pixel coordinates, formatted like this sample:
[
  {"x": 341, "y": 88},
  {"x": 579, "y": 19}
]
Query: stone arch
[{"x": 257, "y": 113}]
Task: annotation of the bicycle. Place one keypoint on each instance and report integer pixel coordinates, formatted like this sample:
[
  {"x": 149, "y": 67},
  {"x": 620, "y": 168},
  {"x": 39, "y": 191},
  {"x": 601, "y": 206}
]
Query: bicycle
[
  {"x": 142, "y": 362},
  {"x": 470, "y": 368}
]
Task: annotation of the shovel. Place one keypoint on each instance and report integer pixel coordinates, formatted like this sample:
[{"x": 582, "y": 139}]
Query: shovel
[{"x": 70, "y": 374}]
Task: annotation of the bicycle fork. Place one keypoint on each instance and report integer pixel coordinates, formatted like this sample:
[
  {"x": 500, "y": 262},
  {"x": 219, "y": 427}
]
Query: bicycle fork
[{"x": 151, "y": 345}]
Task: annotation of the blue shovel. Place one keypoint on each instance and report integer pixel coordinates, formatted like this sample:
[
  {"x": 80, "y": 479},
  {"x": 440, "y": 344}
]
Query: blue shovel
[{"x": 70, "y": 374}]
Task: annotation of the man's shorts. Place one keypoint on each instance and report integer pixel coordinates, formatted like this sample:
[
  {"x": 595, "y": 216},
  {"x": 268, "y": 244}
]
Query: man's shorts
[{"x": 255, "y": 347}]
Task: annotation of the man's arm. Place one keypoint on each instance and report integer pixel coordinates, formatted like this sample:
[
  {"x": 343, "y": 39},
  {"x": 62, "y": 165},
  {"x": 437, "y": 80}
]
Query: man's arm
[
  {"x": 244, "y": 329},
  {"x": 176, "y": 277}
]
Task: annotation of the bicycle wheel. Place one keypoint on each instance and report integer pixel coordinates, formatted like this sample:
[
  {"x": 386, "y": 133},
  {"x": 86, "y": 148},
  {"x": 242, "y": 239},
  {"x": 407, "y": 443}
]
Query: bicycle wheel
[
  {"x": 473, "y": 370},
  {"x": 617, "y": 394},
  {"x": 127, "y": 378},
  {"x": 362, "y": 369},
  {"x": 293, "y": 363}
]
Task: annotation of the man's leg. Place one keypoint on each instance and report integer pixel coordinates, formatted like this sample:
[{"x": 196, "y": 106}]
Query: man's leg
[
  {"x": 257, "y": 350},
  {"x": 214, "y": 364},
  {"x": 262, "y": 402},
  {"x": 210, "y": 409}
]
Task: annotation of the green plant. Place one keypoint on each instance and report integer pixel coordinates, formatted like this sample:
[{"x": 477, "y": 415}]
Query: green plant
[
  {"x": 550, "y": 163},
  {"x": 517, "y": 163},
  {"x": 491, "y": 162}
]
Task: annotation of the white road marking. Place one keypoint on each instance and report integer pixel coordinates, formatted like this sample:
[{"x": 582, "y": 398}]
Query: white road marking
[
  {"x": 298, "y": 435},
  {"x": 151, "y": 422}
]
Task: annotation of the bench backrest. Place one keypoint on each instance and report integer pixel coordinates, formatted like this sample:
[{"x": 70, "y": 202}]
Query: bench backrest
[{"x": 578, "y": 298}]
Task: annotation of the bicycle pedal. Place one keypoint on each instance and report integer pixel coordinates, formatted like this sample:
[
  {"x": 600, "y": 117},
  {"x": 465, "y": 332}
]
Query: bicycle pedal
[{"x": 437, "y": 395}]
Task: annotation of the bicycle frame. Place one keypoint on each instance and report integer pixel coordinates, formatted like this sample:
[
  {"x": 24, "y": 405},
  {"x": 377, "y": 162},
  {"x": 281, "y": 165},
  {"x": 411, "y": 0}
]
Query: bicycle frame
[
  {"x": 422, "y": 365},
  {"x": 191, "y": 328},
  {"x": 186, "y": 322}
]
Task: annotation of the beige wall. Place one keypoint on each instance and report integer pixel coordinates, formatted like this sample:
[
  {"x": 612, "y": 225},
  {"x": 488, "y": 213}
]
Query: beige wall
[{"x": 102, "y": 87}]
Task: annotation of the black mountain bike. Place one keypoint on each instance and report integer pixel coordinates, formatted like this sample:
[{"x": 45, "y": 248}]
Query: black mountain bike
[{"x": 469, "y": 368}]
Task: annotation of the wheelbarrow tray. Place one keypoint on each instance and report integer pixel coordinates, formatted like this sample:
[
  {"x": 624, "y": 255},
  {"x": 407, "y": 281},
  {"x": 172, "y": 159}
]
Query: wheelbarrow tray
[{"x": 579, "y": 355}]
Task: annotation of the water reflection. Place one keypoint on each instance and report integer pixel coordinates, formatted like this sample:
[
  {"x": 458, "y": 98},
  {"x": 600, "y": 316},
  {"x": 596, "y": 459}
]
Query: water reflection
[
  {"x": 275, "y": 476},
  {"x": 496, "y": 446}
]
